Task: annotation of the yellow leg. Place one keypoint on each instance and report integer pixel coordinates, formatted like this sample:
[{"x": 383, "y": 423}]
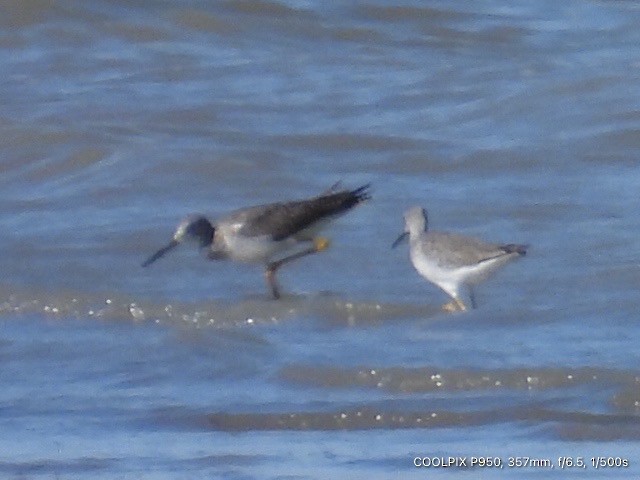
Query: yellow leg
[
  {"x": 454, "y": 306},
  {"x": 461, "y": 305},
  {"x": 321, "y": 243},
  {"x": 450, "y": 307}
]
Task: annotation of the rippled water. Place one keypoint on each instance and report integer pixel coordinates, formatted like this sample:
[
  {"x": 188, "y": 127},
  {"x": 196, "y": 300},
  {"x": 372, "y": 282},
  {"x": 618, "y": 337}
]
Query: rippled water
[{"x": 513, "y": 122}]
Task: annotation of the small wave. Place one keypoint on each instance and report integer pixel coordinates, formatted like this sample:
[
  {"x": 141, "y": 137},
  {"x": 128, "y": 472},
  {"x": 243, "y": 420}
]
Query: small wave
[
  {"x": 433, "y": 379},
  {"x": 367, "y": 417},
  {"x": 348, "y": 142},
  {"x": 56, "y": 467},
  {"x": 249, "y": 311}
]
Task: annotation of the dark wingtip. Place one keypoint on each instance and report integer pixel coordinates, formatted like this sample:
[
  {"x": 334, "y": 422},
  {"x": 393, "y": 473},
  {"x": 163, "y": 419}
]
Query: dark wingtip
[
  {"x": 515, "y": 248},
  {"x": 362, "y": 193}
]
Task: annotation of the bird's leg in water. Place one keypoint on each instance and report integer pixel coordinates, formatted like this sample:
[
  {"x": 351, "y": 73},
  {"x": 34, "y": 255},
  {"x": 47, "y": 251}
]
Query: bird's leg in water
[
  {"x": 472, "y": 296},
  {"x": 319, "y": 244},
  {"x": 270, "y": 275},
  {"x": 454, "y": 306}
]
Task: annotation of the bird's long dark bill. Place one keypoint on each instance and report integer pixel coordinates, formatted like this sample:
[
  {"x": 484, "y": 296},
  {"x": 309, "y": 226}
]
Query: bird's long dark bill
[
  {"x": 402, "y": 236},
  {"x": 159, "y": 253}
]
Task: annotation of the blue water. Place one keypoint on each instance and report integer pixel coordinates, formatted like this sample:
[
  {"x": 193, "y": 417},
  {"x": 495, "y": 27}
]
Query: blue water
[{"x": 515, "y": 123}]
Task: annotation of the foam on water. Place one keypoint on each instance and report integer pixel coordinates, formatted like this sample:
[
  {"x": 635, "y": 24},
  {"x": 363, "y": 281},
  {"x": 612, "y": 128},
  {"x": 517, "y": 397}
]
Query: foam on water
[{"x": 219, "y": 314}]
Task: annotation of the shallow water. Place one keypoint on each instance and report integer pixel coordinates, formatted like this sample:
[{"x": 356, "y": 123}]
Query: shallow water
[{"x": 513, "y": 123}]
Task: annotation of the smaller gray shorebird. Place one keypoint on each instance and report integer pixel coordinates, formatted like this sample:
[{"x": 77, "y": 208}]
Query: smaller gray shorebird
[
  {"x": 262, "y": 234},
  {"x": 451, "y": 261}
]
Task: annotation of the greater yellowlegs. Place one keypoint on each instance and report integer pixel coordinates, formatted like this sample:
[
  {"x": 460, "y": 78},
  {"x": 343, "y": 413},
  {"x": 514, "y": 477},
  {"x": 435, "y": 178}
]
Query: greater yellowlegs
[
  {"x": 451, "y": 261},
  {"x": 263, "y": 233}
]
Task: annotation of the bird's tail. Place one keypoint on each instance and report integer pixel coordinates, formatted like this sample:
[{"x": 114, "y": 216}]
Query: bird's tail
[
  {"x": 361, "y": 194},
  {"x": 340, "y": 202}
]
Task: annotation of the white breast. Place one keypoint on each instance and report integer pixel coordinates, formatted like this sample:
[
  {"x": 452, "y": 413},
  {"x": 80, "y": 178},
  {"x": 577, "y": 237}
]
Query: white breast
[
  {"x": 447, "y": 279},
  {"x": 229, "y": 244}
]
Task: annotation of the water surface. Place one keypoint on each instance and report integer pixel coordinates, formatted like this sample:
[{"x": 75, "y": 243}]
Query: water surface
[{"x": 513, "y": 123}]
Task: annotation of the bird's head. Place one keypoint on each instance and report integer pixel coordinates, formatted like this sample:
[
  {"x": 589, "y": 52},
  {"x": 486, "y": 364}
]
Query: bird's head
[
  {"x": 194, "y": 228},
  {"x": 415, "y": 222}
]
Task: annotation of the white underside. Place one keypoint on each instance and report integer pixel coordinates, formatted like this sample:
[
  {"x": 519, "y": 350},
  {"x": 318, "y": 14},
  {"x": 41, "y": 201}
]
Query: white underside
[
  {"x": 229, "y": 244},
  {"x": 451, "y": 279},
  {"x": 252, "y": 249}
]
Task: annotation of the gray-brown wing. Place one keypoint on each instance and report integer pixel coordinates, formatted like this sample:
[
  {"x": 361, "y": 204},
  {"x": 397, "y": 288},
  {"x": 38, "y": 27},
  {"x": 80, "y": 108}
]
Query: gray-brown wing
[
  {"x": 451, "y": 250},
  {"x": 282, "y": 220}
]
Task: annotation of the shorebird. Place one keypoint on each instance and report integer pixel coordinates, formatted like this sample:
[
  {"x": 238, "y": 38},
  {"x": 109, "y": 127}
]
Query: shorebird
[
  {"x": 263, "y": 233},
  {"x": 451, "y": 261}
]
